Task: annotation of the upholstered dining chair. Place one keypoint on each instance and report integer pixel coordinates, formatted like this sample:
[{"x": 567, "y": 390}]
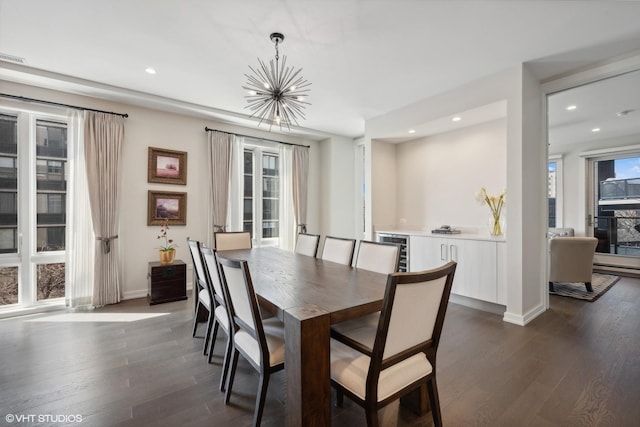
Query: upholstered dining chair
[
  {"x": 379, "y": 257},
  {"x": 260, "y": 341},
  {"x": 220, "y": 316},
  {"x": 338, "y": 249},
  {"x": 375, "y": 365},
  {"x": 307, "y": 244},
  {"x": 201, "y": 291},
  {"x": 571, "y": 260},
  {"x": 232, "y": 240}
]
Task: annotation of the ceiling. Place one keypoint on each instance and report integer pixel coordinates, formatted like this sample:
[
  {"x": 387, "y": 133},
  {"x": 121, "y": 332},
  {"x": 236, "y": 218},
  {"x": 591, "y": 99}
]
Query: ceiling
[{"x": 364, "y": 58}]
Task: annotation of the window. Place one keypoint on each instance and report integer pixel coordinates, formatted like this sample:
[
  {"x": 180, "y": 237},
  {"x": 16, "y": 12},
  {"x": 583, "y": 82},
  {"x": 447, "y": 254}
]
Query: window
[
  {"x": 617, "y": 205},
  {"x": 555, "y": 192},
  {"x": 33, "y": 178},
  {"x": 261, "y": 203}
]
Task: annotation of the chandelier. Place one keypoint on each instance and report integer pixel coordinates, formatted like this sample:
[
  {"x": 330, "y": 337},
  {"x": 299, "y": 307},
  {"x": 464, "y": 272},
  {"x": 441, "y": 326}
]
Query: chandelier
[{"x": 276, "y": 94}]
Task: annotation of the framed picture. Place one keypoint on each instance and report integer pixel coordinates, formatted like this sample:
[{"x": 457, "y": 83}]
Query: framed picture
[
  {"x": 169, "y": 205},
  {"x": 167, "y": 166}
]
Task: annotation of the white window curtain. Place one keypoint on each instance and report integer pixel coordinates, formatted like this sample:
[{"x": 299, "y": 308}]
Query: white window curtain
[
  {"x": 287, "y": 238},
  {"x": 220, "y": 147},
  {"x": 236, "y": 192},
  {"x": 80, "y": 237},
  {"x": 300, "y": 184},
  {"x": 103, "y": 141}
]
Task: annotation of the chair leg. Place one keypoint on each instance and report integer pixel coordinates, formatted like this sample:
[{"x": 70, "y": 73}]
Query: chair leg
[
  {"x": 232, "y": 373},
  {"x": 225, "y": 365},
  {"x": 212, "y": 341},
  {"x": 551, "y": 289},
  {"x": 210, "y": 320},
  {"x": 589, "y": 287},
  {"x": 434, "y": 401},
  {"x": 372, "y": 414},
  {"x": 262, "y": 394},
  {"x": 339, "y": 398},
  {"x": 195, "y": 319}
]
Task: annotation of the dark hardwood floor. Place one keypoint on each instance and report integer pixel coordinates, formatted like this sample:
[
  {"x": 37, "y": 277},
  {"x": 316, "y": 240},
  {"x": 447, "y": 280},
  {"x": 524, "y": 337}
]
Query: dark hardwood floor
[{"x": 576, "y": 365}]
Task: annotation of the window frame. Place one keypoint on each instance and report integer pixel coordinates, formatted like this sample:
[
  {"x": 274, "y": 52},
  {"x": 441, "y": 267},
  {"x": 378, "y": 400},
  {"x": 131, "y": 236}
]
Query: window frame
[{"x": 258, "y": 150}]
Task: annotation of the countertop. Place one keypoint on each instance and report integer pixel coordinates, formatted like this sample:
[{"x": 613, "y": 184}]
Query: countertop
[{"x": 465, "y": 235}]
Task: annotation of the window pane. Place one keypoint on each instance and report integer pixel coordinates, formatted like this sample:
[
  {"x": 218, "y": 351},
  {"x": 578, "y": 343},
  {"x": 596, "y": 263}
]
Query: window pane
[
  {"x": 50, "y": 239},
  {"x": 552, "y": 193},
  {"x": 248, "y": 209},
  {"x": 51, "y": 153},
  {"x": 248, "y": 162},
  {"x": 270, "y": 209},
  {"x": 270, "y": 229},
  {"x": 50, "y": 281},
  {"x": 247, "y": 226},
  {"x": 8, "y": 134},
  {"x": 270, "y": 165},
  {"x": 8, "y": 240},
  {"x": 248, "y": 186},
  {"x": 8, "y": 285},
  {"x": 270, "y": 187}
]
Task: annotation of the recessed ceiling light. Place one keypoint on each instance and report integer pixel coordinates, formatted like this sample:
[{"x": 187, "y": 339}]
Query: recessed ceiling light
[
  {"x": 571, "y": 107},
  {"x": 456, "y": 119},
  {"x": 412, "y": 131},
  {"x": 150, "y": 70},
  {"x": 595, "y": 130}
]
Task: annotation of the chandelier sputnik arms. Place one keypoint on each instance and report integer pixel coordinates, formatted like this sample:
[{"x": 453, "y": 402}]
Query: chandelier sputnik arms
[{"x": 277, "y": 93}]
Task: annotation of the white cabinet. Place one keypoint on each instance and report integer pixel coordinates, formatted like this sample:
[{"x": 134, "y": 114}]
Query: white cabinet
[{"x": 477, "y": 271}]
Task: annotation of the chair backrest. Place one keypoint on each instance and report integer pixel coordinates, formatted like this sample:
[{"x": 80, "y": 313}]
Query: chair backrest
[
  {"x": 412, "y": 315},
  {"x": 307, "y": 244},
  {"x": 571, "y": 259},
  {"x": 337, "y": 249},
  {"x": 379, "y": 257},
  {"x": 200, "y": 278},
  {"x": 242, "y": 301},
  {"x": 211, "y": 268},
  {"x": 232, "y": 240}
]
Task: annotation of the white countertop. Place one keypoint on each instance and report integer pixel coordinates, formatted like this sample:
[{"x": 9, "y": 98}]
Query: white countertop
[{"x": 464, "y": 235}]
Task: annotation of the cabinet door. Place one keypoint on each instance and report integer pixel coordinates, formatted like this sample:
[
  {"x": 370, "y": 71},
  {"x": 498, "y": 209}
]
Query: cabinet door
[
  {"x": 476, "y": 274},
  {"x": 427, "y": 253}
]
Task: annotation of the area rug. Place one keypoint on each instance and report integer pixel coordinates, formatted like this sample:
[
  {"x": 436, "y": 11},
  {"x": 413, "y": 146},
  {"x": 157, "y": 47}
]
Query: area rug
[{"x": 601, "y": 283}]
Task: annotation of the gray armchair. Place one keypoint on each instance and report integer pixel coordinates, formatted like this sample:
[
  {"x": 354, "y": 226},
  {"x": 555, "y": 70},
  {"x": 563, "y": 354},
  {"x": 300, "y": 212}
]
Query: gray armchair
[{"x": 571, "y": 260}]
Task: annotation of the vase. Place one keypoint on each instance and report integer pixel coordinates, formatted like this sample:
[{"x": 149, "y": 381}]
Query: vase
[
  {"x": 167, "y": 257},
  {"x": 496, "y": 224}
]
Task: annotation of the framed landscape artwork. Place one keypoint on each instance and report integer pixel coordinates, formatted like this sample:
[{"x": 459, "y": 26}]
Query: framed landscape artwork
[
  {"x": 169, "y": 205},
  {"x": 167, "y": 166}
]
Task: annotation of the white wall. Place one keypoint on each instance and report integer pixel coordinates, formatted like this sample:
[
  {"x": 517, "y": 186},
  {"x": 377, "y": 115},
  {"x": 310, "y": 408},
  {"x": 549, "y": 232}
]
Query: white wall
[
  {"x": 337, "y": 188},
  {"x": 438, "y": 177},
  {"x": 383, "y": 186},
  {"x": 144, "y": 128},
  {"x": 525, "y": 171}
]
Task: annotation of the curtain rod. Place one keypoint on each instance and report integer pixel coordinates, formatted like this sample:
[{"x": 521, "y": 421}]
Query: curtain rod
[
  {"x": 57, "y": 104},
  {"x": 208, "y": 129}
]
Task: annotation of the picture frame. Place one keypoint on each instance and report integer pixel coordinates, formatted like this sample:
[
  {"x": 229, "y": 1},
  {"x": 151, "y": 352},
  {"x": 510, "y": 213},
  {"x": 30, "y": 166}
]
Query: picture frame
[
  {"x": 167, "y": 166},
  {"x": 169, "y": 205}
]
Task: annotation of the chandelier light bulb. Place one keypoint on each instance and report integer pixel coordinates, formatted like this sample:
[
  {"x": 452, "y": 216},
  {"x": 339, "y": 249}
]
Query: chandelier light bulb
[{"x": 276, "y": 92}]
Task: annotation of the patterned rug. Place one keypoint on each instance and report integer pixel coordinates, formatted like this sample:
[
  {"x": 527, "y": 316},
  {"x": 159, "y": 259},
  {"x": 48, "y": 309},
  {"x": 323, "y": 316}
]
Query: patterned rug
[{"x": 601, "y": 283}]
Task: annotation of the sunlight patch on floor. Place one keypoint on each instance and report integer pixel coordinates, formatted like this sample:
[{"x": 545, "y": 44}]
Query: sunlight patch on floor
[{"x": 97, "y": 317}]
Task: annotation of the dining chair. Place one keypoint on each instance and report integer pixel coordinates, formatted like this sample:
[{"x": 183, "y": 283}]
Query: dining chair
[
  {"x": 220, "y": 316},
  {"x": 379, "y": 257},
  {"x": 232, "y": 240},
  {"x": 307, "y": 244},
  {"x": 260, "y": 341},
  {"x": 202, "y": 292},
  {"x": 338, "y": 249},
  {"x": 375, "y": 365}
]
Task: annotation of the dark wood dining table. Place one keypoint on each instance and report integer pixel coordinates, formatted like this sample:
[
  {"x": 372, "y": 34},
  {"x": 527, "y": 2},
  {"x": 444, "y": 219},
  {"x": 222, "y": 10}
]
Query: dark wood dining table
[{"x": 309, "y": 295}]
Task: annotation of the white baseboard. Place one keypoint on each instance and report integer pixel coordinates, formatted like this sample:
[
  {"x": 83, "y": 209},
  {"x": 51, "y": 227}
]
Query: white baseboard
[
  {"x": 522, "y": 320},
  {"x": 477, "y": 304},
  {"x": 142, "y": 293}
]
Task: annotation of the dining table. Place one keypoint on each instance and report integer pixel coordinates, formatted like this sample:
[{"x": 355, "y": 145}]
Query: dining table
[{"x": 309, "y": 295}]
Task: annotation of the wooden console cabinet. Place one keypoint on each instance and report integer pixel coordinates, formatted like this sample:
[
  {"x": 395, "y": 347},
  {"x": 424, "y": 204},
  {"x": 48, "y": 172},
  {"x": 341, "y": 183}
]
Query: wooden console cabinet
[{"x": 167, "y": 282}]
